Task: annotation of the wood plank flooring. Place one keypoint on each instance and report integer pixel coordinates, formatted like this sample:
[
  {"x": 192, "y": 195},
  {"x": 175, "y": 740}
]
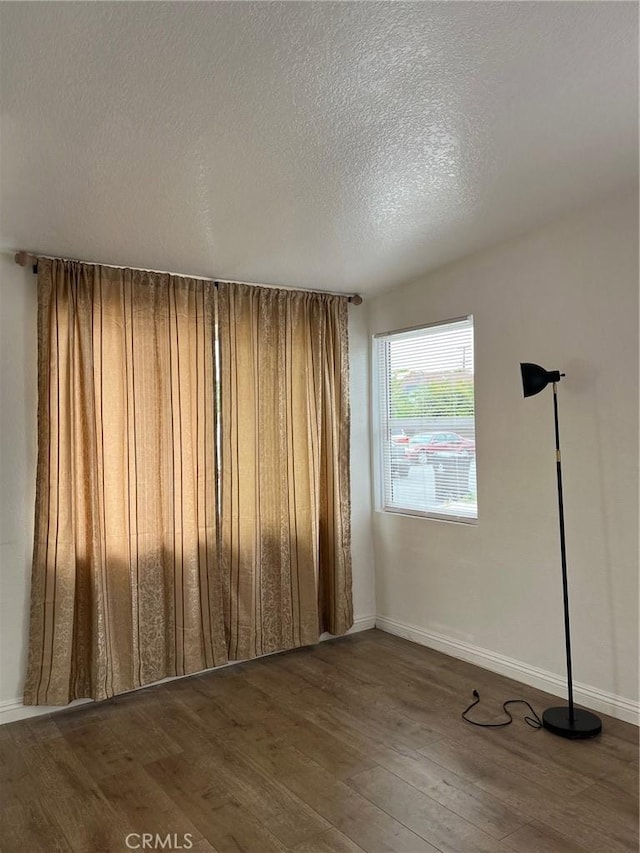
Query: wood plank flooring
[{"x": 349, "y": 746}]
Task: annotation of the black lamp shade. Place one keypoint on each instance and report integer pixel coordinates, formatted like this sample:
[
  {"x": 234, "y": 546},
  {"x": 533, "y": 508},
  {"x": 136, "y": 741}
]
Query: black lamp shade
[{"x": 535, "y": 378}]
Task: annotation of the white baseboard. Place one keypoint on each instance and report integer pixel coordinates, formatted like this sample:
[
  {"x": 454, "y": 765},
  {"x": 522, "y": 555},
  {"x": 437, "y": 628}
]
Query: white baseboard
[
  {"x": 584, "y": 694},
  {"x": 14, "y": 710},
  {"x": 363, "y": 623},
  {"x": 360, "y": 623}
]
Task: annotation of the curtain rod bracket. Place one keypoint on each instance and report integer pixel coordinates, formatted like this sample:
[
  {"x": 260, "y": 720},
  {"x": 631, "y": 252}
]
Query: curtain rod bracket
[{"x": 24, "y": 259}]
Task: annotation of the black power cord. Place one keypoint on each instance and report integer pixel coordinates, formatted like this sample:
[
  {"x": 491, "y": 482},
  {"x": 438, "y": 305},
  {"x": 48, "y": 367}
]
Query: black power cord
[{"x": 535, "y": 722}]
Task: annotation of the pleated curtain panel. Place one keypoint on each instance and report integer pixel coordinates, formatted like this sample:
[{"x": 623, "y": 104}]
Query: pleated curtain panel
[{"x": 192, "y": 489}]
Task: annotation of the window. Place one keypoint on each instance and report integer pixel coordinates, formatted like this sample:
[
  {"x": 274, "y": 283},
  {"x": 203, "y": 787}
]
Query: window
[{"x": 426, "y": 421}]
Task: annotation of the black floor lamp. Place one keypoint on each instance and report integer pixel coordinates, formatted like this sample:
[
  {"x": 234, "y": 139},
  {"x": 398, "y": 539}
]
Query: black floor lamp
[{"x": 566, "y": 721}]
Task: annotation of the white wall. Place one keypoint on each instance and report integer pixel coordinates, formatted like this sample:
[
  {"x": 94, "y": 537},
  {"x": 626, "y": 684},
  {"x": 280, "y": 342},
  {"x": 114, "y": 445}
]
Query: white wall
[
  {"x": 364, "y": 605},
  {"x": 18, "y": 410},
  {"x": 566, "y": 297},
  {"x": 18, "y": 447}
]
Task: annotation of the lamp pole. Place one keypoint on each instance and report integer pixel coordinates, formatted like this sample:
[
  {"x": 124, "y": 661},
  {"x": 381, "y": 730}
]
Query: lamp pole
[{"x": 563, "y": 553}]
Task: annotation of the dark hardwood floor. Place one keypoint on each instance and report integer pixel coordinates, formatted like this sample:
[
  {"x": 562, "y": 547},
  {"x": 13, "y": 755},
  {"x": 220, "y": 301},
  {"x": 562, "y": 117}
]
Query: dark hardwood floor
[{"x": 353, "y": 745}]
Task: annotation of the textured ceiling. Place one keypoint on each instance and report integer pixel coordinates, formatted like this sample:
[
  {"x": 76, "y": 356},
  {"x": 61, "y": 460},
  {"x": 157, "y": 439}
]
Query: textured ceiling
[{"x": 342, "y": 146}]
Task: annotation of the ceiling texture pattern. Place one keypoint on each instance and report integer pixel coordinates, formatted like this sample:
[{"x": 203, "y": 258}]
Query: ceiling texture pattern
[{"x": 339, "y": 146}]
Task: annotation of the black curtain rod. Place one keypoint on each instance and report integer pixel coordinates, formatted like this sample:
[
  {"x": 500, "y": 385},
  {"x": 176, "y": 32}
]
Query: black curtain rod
[{"x": 25, "y": 259}]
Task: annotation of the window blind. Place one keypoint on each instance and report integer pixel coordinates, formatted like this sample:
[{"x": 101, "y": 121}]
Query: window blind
[{"x": 426, "y": 420}]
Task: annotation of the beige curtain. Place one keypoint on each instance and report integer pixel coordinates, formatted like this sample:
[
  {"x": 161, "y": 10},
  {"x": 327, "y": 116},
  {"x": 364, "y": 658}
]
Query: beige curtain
[
  {"x": 126, "y": 587},
  {"x": 285, "y": 514},
  {"x": 142, "y": 568}
]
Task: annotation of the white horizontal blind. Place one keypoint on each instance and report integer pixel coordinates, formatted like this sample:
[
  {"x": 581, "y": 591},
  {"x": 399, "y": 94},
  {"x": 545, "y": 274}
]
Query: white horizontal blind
[{"x": 426, "y": 420}]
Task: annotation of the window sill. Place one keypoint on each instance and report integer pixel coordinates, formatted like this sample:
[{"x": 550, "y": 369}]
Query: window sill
[{"x": 465, "y": 521}]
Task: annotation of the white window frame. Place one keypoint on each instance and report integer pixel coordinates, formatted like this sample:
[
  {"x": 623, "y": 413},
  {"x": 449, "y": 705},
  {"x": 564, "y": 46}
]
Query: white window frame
[{"x": 377, "y": 429}]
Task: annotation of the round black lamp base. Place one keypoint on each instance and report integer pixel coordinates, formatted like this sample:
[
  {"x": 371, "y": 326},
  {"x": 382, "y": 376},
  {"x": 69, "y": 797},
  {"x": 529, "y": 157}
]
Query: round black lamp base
[{"x": 584, "y": 724}]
